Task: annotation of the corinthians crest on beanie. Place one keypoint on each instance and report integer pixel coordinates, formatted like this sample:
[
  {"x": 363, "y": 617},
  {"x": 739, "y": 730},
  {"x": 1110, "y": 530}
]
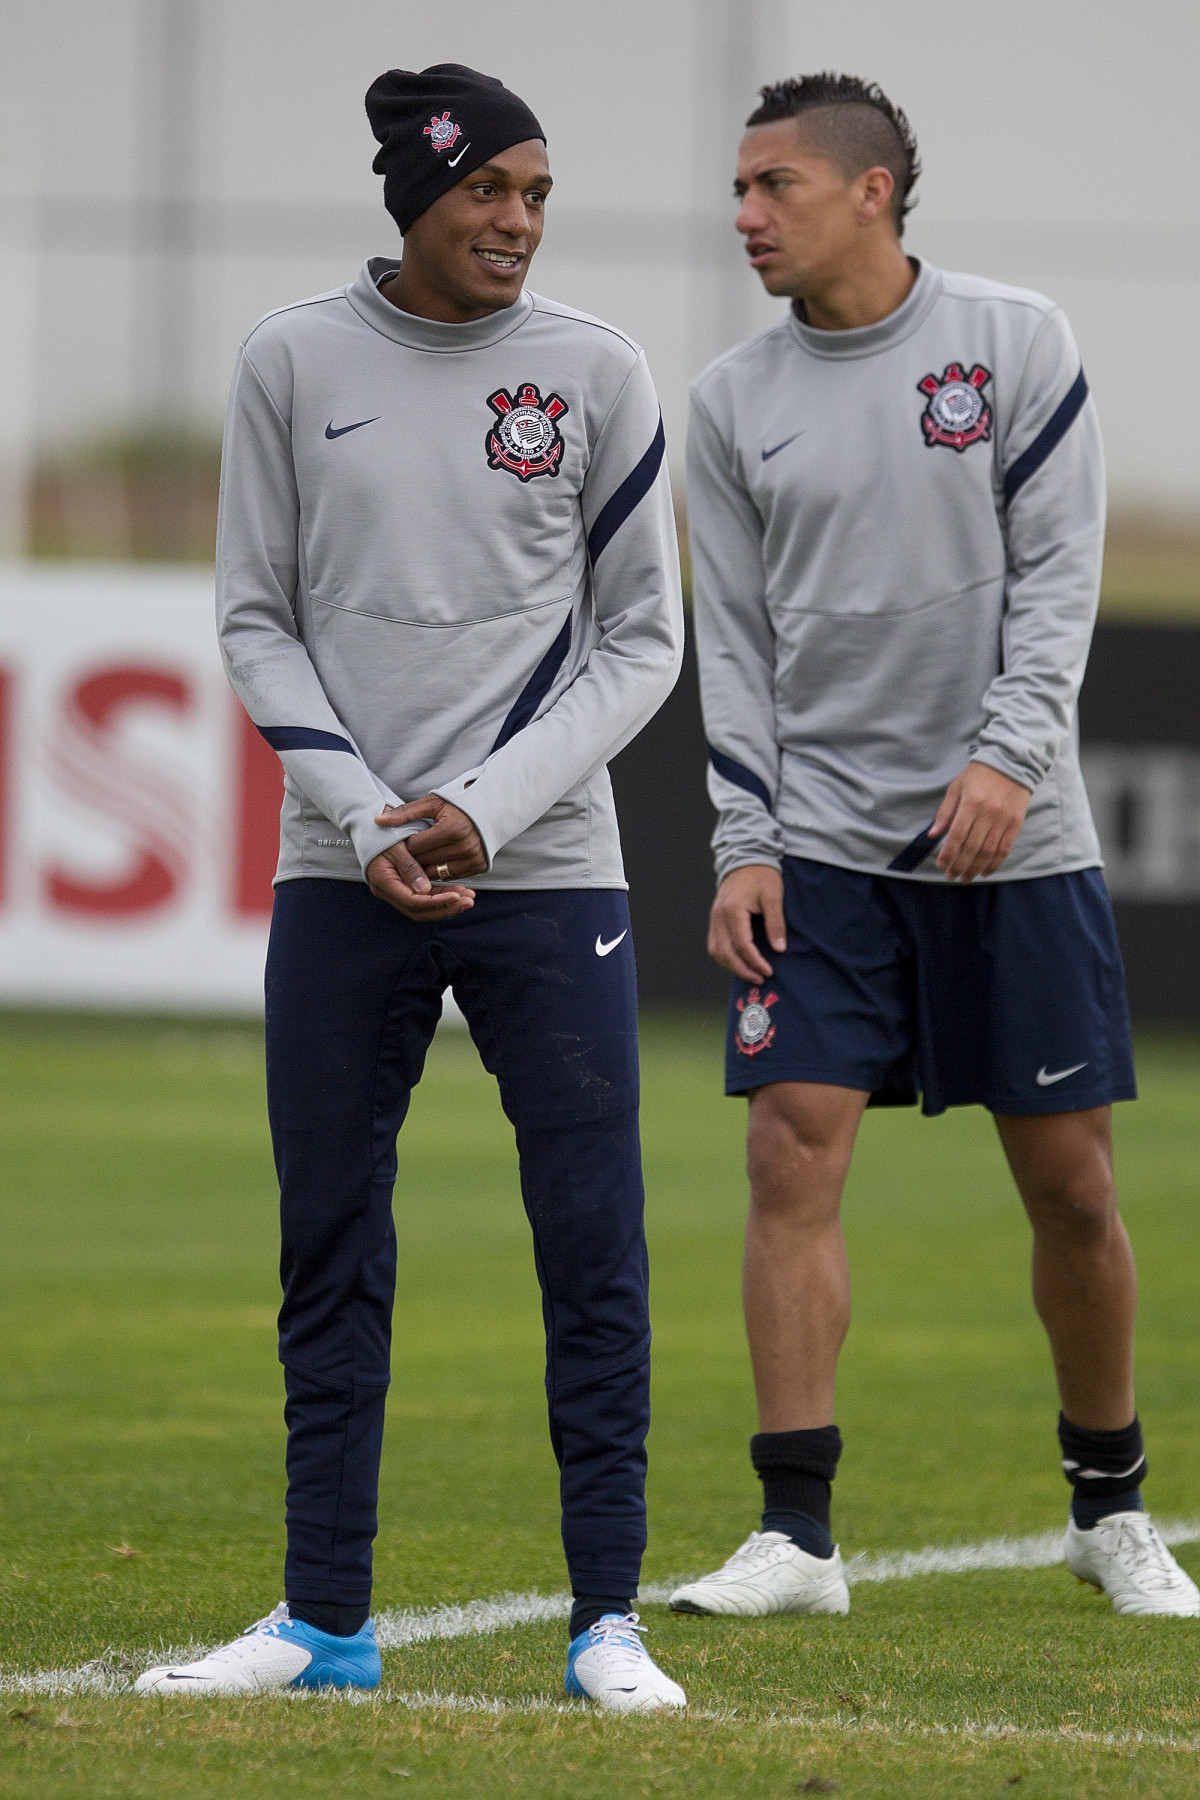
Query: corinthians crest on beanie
[{"x": 438, "y": 126}]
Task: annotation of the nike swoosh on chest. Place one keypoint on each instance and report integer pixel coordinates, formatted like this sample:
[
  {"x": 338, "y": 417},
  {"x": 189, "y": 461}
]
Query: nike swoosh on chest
[
  {"x": 776, "y": 448},
  {"x": 337, "y": 431}
]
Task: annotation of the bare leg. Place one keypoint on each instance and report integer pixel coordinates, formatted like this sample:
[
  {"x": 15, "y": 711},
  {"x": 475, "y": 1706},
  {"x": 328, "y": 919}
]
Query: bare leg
[
  {"x": 1084, "y": 1279},
  {"x": 795, "y": 1282}
]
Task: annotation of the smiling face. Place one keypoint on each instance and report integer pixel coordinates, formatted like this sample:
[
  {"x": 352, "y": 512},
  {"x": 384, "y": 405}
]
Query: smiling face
[
  {"x": 802, "y": 220},
  {"x": 469, "y": 254}
]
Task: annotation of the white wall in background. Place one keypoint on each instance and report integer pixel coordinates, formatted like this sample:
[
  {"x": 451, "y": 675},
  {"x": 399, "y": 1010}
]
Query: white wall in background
[{"x": 217, "y": 164}]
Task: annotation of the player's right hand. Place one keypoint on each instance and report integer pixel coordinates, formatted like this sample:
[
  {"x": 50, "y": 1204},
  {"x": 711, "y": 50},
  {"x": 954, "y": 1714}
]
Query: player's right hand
[
  {"x": 398, "y": 878},
  {"x": 754, "y": 889}
]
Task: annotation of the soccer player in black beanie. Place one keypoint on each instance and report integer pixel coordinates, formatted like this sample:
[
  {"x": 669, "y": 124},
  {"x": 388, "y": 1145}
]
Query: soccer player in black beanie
[
  {"x": 437, "y": 127},
  {"x": 448, "y": 594}
]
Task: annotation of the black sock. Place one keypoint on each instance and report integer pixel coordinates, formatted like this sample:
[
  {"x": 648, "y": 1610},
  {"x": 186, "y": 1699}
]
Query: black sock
[
  {"x": 1088, "y": 1509},
  {"x": 1105, "y": 1468},
  {"x": 796, "y": 1469},
  {"x": 339, "y": 1621},
  {"x": 590, "y": 1608}
]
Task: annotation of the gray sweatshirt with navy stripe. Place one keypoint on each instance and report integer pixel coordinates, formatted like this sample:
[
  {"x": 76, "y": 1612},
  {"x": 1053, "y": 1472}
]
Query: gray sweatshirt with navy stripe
[
  {"x": 446, "y": 563},
  {"x": 896, "y": 536}
]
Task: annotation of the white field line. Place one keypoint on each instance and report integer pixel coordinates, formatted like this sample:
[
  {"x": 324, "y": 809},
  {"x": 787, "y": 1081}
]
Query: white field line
[
  {"x": 477, "y": 1618},
  {"x": 395, "y": 1628},
  {"x": 115, "y": 1671},
  {"x": 64, "y": 1683}
]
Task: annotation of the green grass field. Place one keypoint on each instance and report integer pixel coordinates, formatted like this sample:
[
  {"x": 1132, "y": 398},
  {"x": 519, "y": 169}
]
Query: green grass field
[{"x": 141, "y": 1413}]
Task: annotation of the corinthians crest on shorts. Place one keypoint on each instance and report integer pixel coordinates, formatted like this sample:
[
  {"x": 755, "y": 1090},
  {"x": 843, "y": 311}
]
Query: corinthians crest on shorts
[
  {"x": 525, "y": 439},
  {"x": 442, "y": 133},
  {"x": 956, "y": 412},
  {"x": 754, "y": 1027}
]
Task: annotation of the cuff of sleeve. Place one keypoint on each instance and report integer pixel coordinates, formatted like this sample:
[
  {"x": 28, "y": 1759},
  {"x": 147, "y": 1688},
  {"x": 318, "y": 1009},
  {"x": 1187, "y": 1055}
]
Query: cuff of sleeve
[
  {"x": 474, "y": 805},
  {"x": 746, "y": 859},
  {"x": 370, "y": 839},
  {"x": 999, "y": 759}
]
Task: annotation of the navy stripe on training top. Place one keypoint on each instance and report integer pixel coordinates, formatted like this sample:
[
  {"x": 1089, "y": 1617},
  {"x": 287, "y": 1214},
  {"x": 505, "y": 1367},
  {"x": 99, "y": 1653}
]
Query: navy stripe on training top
[
  {"x": 914, "y": 854},
  {"x": 536, "y": 688},
  {"x": 1052, "y": 433},
  {"x": 635, "y": 487},
  {"x": 740, "y": 775},
  {"x": 303, "y": 737}
]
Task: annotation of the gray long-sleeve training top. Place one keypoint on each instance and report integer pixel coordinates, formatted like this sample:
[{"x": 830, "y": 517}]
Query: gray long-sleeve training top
[
  {"x": 896, "y": 536},
  {"x": 446, "y": 563}
]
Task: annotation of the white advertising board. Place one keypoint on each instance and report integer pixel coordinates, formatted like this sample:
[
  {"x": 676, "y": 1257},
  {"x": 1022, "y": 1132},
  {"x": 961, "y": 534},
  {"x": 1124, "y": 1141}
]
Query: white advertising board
[{"x": 139, "y": 810}]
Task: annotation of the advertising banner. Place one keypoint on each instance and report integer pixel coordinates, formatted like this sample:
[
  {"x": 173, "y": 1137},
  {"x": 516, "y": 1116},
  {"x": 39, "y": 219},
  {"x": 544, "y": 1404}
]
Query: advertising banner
[{"x": 139, "y": 809}]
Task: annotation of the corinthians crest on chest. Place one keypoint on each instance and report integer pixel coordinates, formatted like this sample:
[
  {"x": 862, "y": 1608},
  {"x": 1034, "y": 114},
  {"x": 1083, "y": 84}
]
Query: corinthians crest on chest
[
  {"x": 525, "y": 439},
  {"x": 956, "y": 413}
]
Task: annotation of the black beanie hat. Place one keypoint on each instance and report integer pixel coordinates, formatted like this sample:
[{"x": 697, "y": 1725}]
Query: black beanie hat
[{"x": 436, "y": 128}]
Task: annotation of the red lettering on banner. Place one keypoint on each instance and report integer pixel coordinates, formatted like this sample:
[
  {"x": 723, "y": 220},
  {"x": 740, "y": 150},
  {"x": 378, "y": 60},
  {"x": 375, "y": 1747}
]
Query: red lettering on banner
[
  {"x": 259, "y": 797},
  {"x": 6, "y": 771},
  {"x": 95, "y": 768}
]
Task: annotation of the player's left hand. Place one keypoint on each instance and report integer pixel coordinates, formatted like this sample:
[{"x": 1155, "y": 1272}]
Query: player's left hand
[
  {"x": 980, "y": 817},
  {"x": 451, "y": 842}
]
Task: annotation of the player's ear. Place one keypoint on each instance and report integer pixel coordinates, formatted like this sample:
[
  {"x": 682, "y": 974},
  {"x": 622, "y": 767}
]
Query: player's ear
[{"x": 876, "y": 187}]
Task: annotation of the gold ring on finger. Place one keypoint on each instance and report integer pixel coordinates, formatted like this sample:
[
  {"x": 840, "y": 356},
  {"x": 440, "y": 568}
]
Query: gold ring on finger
[{"x": 442, "y": 871}]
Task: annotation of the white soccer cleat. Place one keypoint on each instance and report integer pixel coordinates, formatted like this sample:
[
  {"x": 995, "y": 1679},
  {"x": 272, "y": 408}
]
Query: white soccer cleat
[
  {"x": 1126, "y": 1558},
  {"x": 277, "y": 1652},
  {"x": 610, "y": 1664},
  {"x": 768, "y": 1574}
]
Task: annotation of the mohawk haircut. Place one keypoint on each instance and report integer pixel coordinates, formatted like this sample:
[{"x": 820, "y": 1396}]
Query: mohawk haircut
[{"x": 854, "y": 124}]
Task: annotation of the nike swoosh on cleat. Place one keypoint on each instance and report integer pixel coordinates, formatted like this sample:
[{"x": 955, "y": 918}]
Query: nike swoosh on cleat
[
  {"x": 455, "y": 160},
  {"x": 340, "y": 431},
  {"x": 776, "y": 448},
  {"x": 1045, "y": 1080},
  {"x": 602, "y": 949},
  {"x": 171, "y": 1676}
]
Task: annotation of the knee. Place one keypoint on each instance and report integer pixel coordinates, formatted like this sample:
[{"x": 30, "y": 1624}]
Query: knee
[
  {"x": 1080, "y": 1208},
  {"x": 796, "y": 1161}
]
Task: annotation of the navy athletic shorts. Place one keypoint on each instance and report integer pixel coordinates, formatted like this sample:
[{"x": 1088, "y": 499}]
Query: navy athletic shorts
[{"x": 1009, "y": 995}]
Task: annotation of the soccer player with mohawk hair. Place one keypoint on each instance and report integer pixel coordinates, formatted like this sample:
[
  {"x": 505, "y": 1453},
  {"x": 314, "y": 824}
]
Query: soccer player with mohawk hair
[
  {"x": 896, "y": 497},
  {"x": 448, "y": 594}
]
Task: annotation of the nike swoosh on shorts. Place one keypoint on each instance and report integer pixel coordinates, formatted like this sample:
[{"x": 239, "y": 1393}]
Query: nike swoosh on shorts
[
  {"x": 1046, "y": 1080},
  {"x": 602, "y": 949}
]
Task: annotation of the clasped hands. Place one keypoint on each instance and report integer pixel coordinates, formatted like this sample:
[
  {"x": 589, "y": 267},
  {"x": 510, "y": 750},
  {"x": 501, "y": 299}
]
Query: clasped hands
[{"x": 448, "y": 848}]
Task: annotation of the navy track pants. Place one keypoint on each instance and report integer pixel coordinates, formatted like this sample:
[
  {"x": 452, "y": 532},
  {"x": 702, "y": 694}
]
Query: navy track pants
[{"x": 354, "y": 993}]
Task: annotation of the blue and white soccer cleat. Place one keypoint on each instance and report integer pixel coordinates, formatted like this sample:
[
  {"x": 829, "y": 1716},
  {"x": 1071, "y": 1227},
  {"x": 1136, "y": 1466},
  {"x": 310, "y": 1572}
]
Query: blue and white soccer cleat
[
  {"x": 277, "y": 1652},
  {"x": 609, "y": 1664}
]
